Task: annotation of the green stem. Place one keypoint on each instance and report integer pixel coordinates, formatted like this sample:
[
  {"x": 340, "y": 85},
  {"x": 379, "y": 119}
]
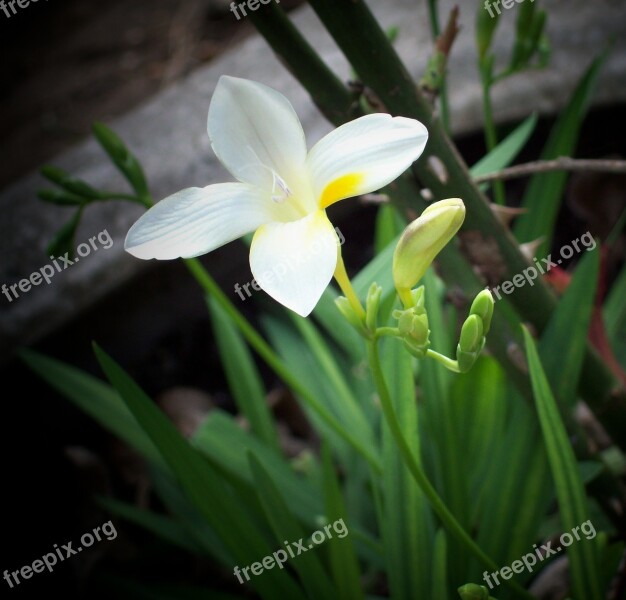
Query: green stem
[
  {"x": 341, "y": 276},
  {"x": 448, "y": 363},
  {"x": 491, "y": 137},
  {"x": 388, "y": 331},
  {"x": 332, "y": 98},
  {"x": 435, "y": 30},
  {"x": 413, "y": 464},
  {"x": 377, "y": 63},
  {"x": 265, "y": 351}
]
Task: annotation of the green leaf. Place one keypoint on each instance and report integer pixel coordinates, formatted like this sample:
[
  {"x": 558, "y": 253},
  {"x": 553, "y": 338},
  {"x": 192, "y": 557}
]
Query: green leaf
[
  {"x": 123, "y": 159},
  {"x": 440, "y": 569},
  {"x": 378, "y": 270},
  {"x": 570, "y": 491},
  {"x": 63, "y": 241},
  {"x": 227, "y": 445},
  {"x": 161, "y": 526},
  {"x": 78, "y": 187},
  {"x": 301, "y": 362},
  {"x": 545, "y": 191},
  {"x": 225, "y": 512},
  {"x": 343, "y": 561},
  {"x": 243, "y": 378},
  {"x": 486, "y": 24},
  {"x": 407, "y": 522},
  {"x": 389, "y": 225},
  {"x": 615, "y": 310},
  {"x": 188, "y": 516},
  {"x": 506, "y": 151},
  {"x": 570, "y": 321},
  {"x": 94, "y": 397},
  {"x": 478, "y": 407},
  {"x": 285, "y": 527},
  {"x": 347, "y": 406},
  {"x": 508, "y": 498},
  {"x": 61, "y": 198}
]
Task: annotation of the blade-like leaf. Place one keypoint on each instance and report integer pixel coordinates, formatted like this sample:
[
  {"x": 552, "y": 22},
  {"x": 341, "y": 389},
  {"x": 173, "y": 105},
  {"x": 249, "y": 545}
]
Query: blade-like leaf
[
  {"x": 99, "y": 400},
  {"x": 570, "y": 322},
  {"x": 506, "y": 151},
  {"x": 286, "y": 528},
  {"x": 544, "y": 193},
  {"x": 243, "y": 377},
  {"x": 225, "y": 512},
  {"x": 343, "y": 561},
  {"x": 570, "y": 491}
]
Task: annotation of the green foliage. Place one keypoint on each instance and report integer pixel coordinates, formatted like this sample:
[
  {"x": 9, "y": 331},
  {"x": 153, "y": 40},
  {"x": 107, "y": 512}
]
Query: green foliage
[{"x": 437, "y": 475}]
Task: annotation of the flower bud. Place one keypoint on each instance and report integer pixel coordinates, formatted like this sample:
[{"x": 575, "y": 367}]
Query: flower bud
[
  {"x": 372, "y": 304},
  {"x": 423, "y": 239},
  {"x": 345, "y": 308},
  {"x": 483, "y": 308},
  {"x": 471, "y": 591},
  {"x": 471, "y": 334},
  {"x": 414, "y": 330}
]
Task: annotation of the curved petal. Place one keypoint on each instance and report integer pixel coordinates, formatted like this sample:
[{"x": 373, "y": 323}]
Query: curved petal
[
  {"x": 256, "y": 133},
  {"x": 294, "y": 262},
  {"x": 195, "y": 221},
  {"x": 364, "y": 155}
]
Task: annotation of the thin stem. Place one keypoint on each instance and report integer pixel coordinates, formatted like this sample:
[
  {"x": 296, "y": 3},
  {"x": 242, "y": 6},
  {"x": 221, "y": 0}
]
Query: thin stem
[
  {"x": 265, "y": 351},
  {"x": 562, "y": 163},
  {"x": 450, "y": 364},
  {"x": 345, "y": 284},
  {"x": 388, "y": 331},
  {"x": 435, "y": 31},
  {"x": 413, "y": 464},
  {"x": 491, "y": 137}
]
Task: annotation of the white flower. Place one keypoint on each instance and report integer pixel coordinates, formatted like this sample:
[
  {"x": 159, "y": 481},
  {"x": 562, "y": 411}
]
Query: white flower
[{"x": 282, "y": 191}]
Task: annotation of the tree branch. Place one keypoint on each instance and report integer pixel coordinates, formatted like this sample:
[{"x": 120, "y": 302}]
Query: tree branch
[{"x": 562, "y": 163}]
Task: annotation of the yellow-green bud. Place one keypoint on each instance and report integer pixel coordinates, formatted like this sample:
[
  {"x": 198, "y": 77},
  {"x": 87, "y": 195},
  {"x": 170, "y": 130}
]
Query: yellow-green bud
[
  {"x": 471, "y": 591},
  {"x": 471, "y": 334},
  {"x": 414, "y": 330},
  {"x": 422, "y": 240},
  {"x": 372, "y": 304},
  {"x": 345, "y": 308},
  {"x": 483, "y": 308}
]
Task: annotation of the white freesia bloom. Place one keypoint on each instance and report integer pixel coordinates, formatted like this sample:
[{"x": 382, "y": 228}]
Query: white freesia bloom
[{"x": 282, "y": 191}]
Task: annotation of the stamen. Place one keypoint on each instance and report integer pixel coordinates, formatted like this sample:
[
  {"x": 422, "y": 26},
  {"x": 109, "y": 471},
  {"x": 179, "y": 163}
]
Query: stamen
[{"x": 284, "y": 192}]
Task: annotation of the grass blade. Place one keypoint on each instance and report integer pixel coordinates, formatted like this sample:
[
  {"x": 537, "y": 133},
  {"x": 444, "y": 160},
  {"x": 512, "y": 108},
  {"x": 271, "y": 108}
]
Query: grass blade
[
  {"x": 224, "y": 511},
  {"x": 243, "y": 377},
  {"x": 285, "y": 527},
  {"x": 570, "y": 491},
  {"x": 543, "y": 195}
]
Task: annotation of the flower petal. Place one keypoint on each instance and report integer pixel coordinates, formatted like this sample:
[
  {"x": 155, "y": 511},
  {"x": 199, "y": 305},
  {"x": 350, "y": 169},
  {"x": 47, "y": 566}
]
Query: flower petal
[
  {"x": 294, "y": 262},
  {"x": 195, "y": 221},
  {"x": 364, "y": 155},
  {"x": 255, "y": 132}
]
